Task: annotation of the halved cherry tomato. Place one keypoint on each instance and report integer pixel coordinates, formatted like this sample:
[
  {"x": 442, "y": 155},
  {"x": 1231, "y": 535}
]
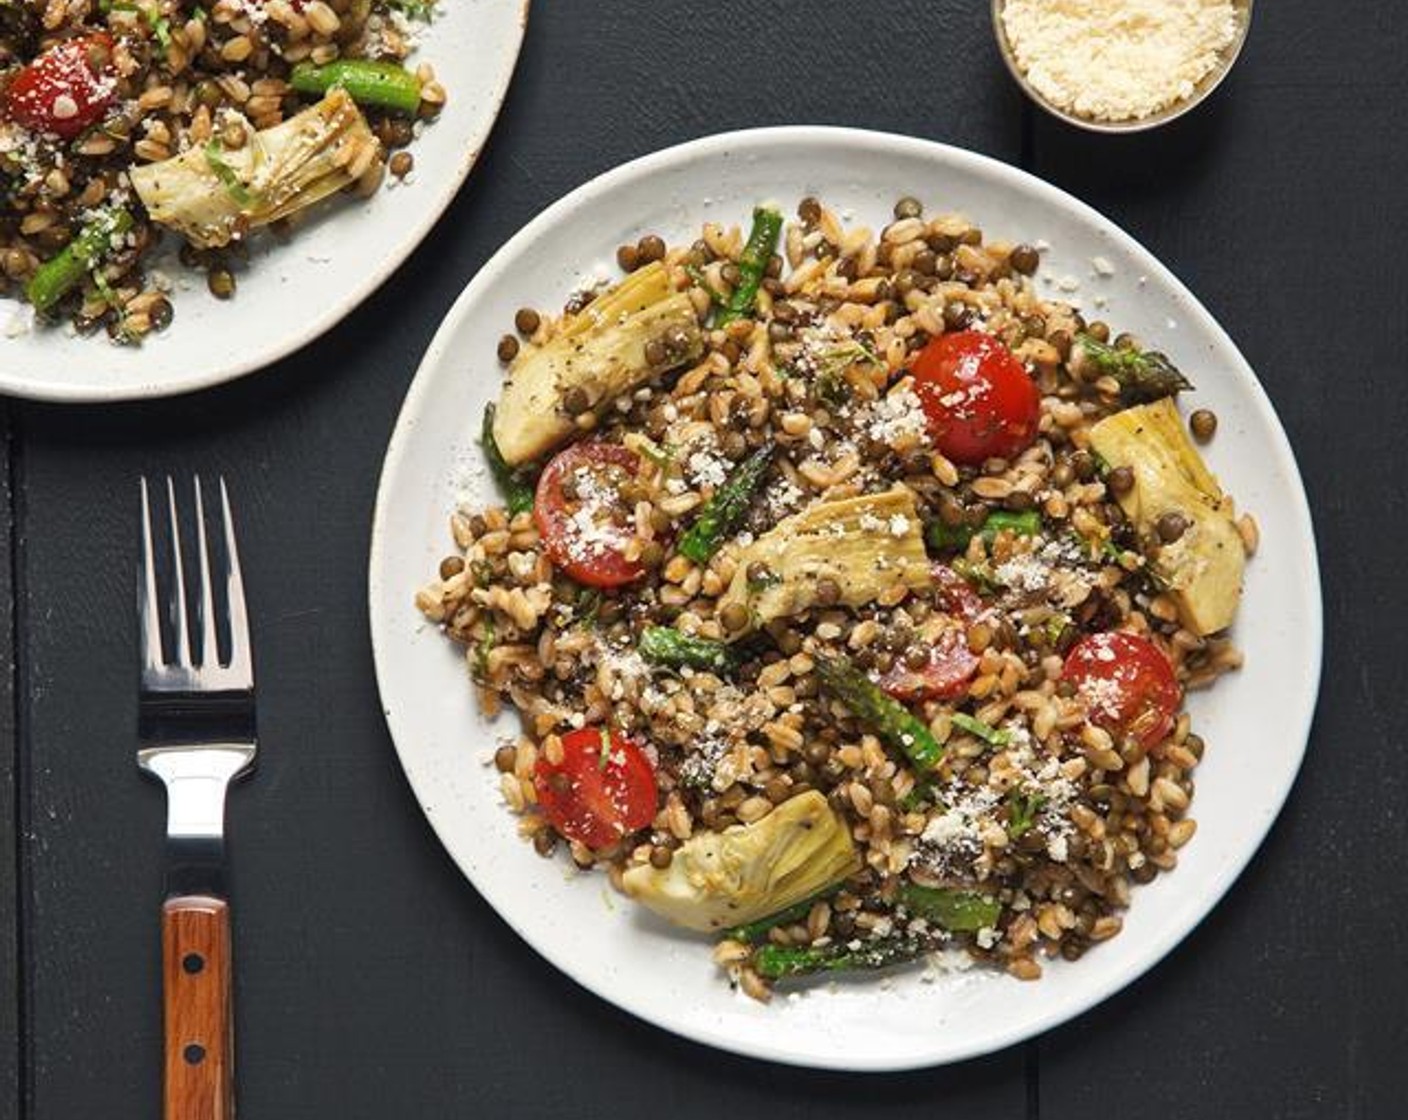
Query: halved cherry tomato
[
  {"x": 602, "y": 790},
  {"x": 1127, "y": 683},
  {"x": 65, "y": 89},
  {"x": 586, "y": 535},
  {"x": 979, "y": 401},
  {"x": 954, "y": 594},
  {"x": 944, "y": 676}
]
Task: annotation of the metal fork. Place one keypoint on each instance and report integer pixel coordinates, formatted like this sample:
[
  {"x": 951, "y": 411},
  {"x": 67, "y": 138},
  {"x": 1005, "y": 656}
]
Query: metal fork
[{"x": 196, "y": 733}]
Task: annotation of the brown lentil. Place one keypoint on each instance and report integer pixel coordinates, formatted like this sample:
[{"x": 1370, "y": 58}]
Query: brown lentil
[
  {"x": 221, "y": 282},
  {"x": 1120, "y": 481},
  {"x": 1203, "y": 424},
  {"x": 1024, "y": 259},
  {"x": 908, "y": 207},
  {"x": 1170, "y": 526}
]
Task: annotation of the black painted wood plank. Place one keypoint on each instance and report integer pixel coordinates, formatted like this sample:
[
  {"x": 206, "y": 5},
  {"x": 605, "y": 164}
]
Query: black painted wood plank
[
  {"x": 1281, "y": 204},
  {"x": 11, "y": 1041},
  {"x": 372, "y": 981}
]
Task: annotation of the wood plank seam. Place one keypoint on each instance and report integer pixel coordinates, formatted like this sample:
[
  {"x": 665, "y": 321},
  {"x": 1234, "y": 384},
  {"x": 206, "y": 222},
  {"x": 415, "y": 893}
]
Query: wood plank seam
[
  {"x": 19, "y": 772},
  {"x": 1031, "y": 1060}
]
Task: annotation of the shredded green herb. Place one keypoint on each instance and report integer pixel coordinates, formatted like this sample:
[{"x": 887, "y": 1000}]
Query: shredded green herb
[
  {"x": 662, "y": 455},
  {"x": 420, "y": 9},
  {"x": 161, "y": 28},
  {"x": 588, "y": 606},
  {"x": 762, "y": 582},
  {"x": 482, "y": 572},
  {"x": 983, "y": 731},
  {"x": 978, "y": 575},
  {"x": 1055, "y": 627},
  {"x": 482, "y": 651},
  {"x": 160, "y": 25},
  {"x": 1022, "y": 809},
  {"x": 829, "y": 383},
  {"x": 917, "y": 797},
  {"x": 104, "y": 288},
  {"x": 717, "y": 298},
  {"x": 226, "y": 174}
]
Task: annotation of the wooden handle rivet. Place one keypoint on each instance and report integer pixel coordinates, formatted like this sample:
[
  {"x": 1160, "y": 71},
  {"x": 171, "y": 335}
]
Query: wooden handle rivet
[
  {"x": 193, "y": 963},
  {"x": 194, "y": 1054}
]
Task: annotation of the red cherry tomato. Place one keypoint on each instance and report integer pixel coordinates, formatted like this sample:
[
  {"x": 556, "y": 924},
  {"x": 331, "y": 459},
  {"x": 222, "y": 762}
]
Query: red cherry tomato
[
  {"x": 592, "y": 798},
  {"x": 65, "y": 89},
  {"x": 1127, "y": 683},
  {"x": 954, "y": 594},
  {"x": 980, "y": 402},
  {"x": 944, "y": 676},
  {"x": 586, "y": 535}
]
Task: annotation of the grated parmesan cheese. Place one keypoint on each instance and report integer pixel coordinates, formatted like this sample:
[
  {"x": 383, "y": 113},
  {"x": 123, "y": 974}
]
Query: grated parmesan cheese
[
  {"x": 1114, "y": 60},
  {"x": 896, "y": 419}
]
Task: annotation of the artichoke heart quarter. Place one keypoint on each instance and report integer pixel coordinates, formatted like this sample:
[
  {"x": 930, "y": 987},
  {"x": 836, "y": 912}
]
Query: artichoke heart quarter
[
  {"x": 213, "y": 194},
  {"x": 865, "y": 545},
  {"x": 719, "y": 879},
  {"x": 627, "y": 335},
  {"x": 1203, "y": 568}
]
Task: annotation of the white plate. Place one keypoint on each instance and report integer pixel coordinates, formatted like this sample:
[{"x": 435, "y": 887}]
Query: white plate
[
  {"x": 290, "y": 294},
  {"x": 1255, "y": 743}
]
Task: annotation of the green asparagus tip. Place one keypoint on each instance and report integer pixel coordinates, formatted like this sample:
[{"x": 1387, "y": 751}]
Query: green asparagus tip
[
  {"x": 367, "y": 81},
  {"x": 664, "y": 645},
  {"x": 752, "y": 265}
]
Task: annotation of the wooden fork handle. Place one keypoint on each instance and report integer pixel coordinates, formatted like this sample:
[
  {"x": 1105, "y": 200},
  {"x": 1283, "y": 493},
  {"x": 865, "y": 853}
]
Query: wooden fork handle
[{"x": 200, "y": 1057}]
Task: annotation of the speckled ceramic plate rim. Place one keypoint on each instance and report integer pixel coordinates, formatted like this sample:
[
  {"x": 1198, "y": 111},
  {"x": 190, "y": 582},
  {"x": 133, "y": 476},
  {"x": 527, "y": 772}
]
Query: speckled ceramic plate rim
[
  {"x": 423, "y": 210},
  {"x": 735, "y": 1024}
]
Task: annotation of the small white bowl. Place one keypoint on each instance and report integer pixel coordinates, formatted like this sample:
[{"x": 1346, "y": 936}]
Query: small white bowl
[{"x": 1139, "y": 124}]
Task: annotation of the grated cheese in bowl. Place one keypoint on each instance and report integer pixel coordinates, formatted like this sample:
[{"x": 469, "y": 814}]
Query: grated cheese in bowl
[{"x": 1118, "y": 60}]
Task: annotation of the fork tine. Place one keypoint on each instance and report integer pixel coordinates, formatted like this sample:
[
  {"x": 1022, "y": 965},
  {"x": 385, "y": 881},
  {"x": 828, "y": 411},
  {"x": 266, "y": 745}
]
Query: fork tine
[
  {"x": 184, "y": 657},
  {"x": 209, "y": 647},
  {"x": 240, "y": 664},
  {"x": 147, "y": 610}
]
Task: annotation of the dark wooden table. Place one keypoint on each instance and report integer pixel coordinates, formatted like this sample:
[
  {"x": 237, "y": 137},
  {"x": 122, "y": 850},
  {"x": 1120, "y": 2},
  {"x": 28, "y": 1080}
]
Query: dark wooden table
[{"x": 372, "y": 981}]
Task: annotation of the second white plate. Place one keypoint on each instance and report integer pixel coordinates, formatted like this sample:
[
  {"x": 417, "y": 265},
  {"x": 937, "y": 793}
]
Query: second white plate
[
  {"x": 291, "y": 293},
  {"x": 575, "y": 921}
]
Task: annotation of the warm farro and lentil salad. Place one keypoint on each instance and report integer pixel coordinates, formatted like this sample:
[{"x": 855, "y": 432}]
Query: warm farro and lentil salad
[
  {"x": 849, "y": 592},
  {"x": 210, "y": 119}
]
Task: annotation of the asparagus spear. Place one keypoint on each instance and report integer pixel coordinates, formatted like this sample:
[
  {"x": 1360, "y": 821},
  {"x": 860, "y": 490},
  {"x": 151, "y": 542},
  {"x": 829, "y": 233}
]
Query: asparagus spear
[
  {"x": 956, "y": 537},
  {"x": 57, "y": 276},
  {"x": 1144, "y": 375},
  {"x": 956, "y": 911},
  {"x": 721, "y": 514},
  {"x": 516, "y": 489},
  {"x": 775, "y": 962},
  {"x": 752, "y": 932},
  {"x": 752, "y": 263},
  {"x": 367, "y": 82},
  {"x": 888, "y": 718},
  {"x": 983, "y": 731},
  {"x": 664, "y": 645}
]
